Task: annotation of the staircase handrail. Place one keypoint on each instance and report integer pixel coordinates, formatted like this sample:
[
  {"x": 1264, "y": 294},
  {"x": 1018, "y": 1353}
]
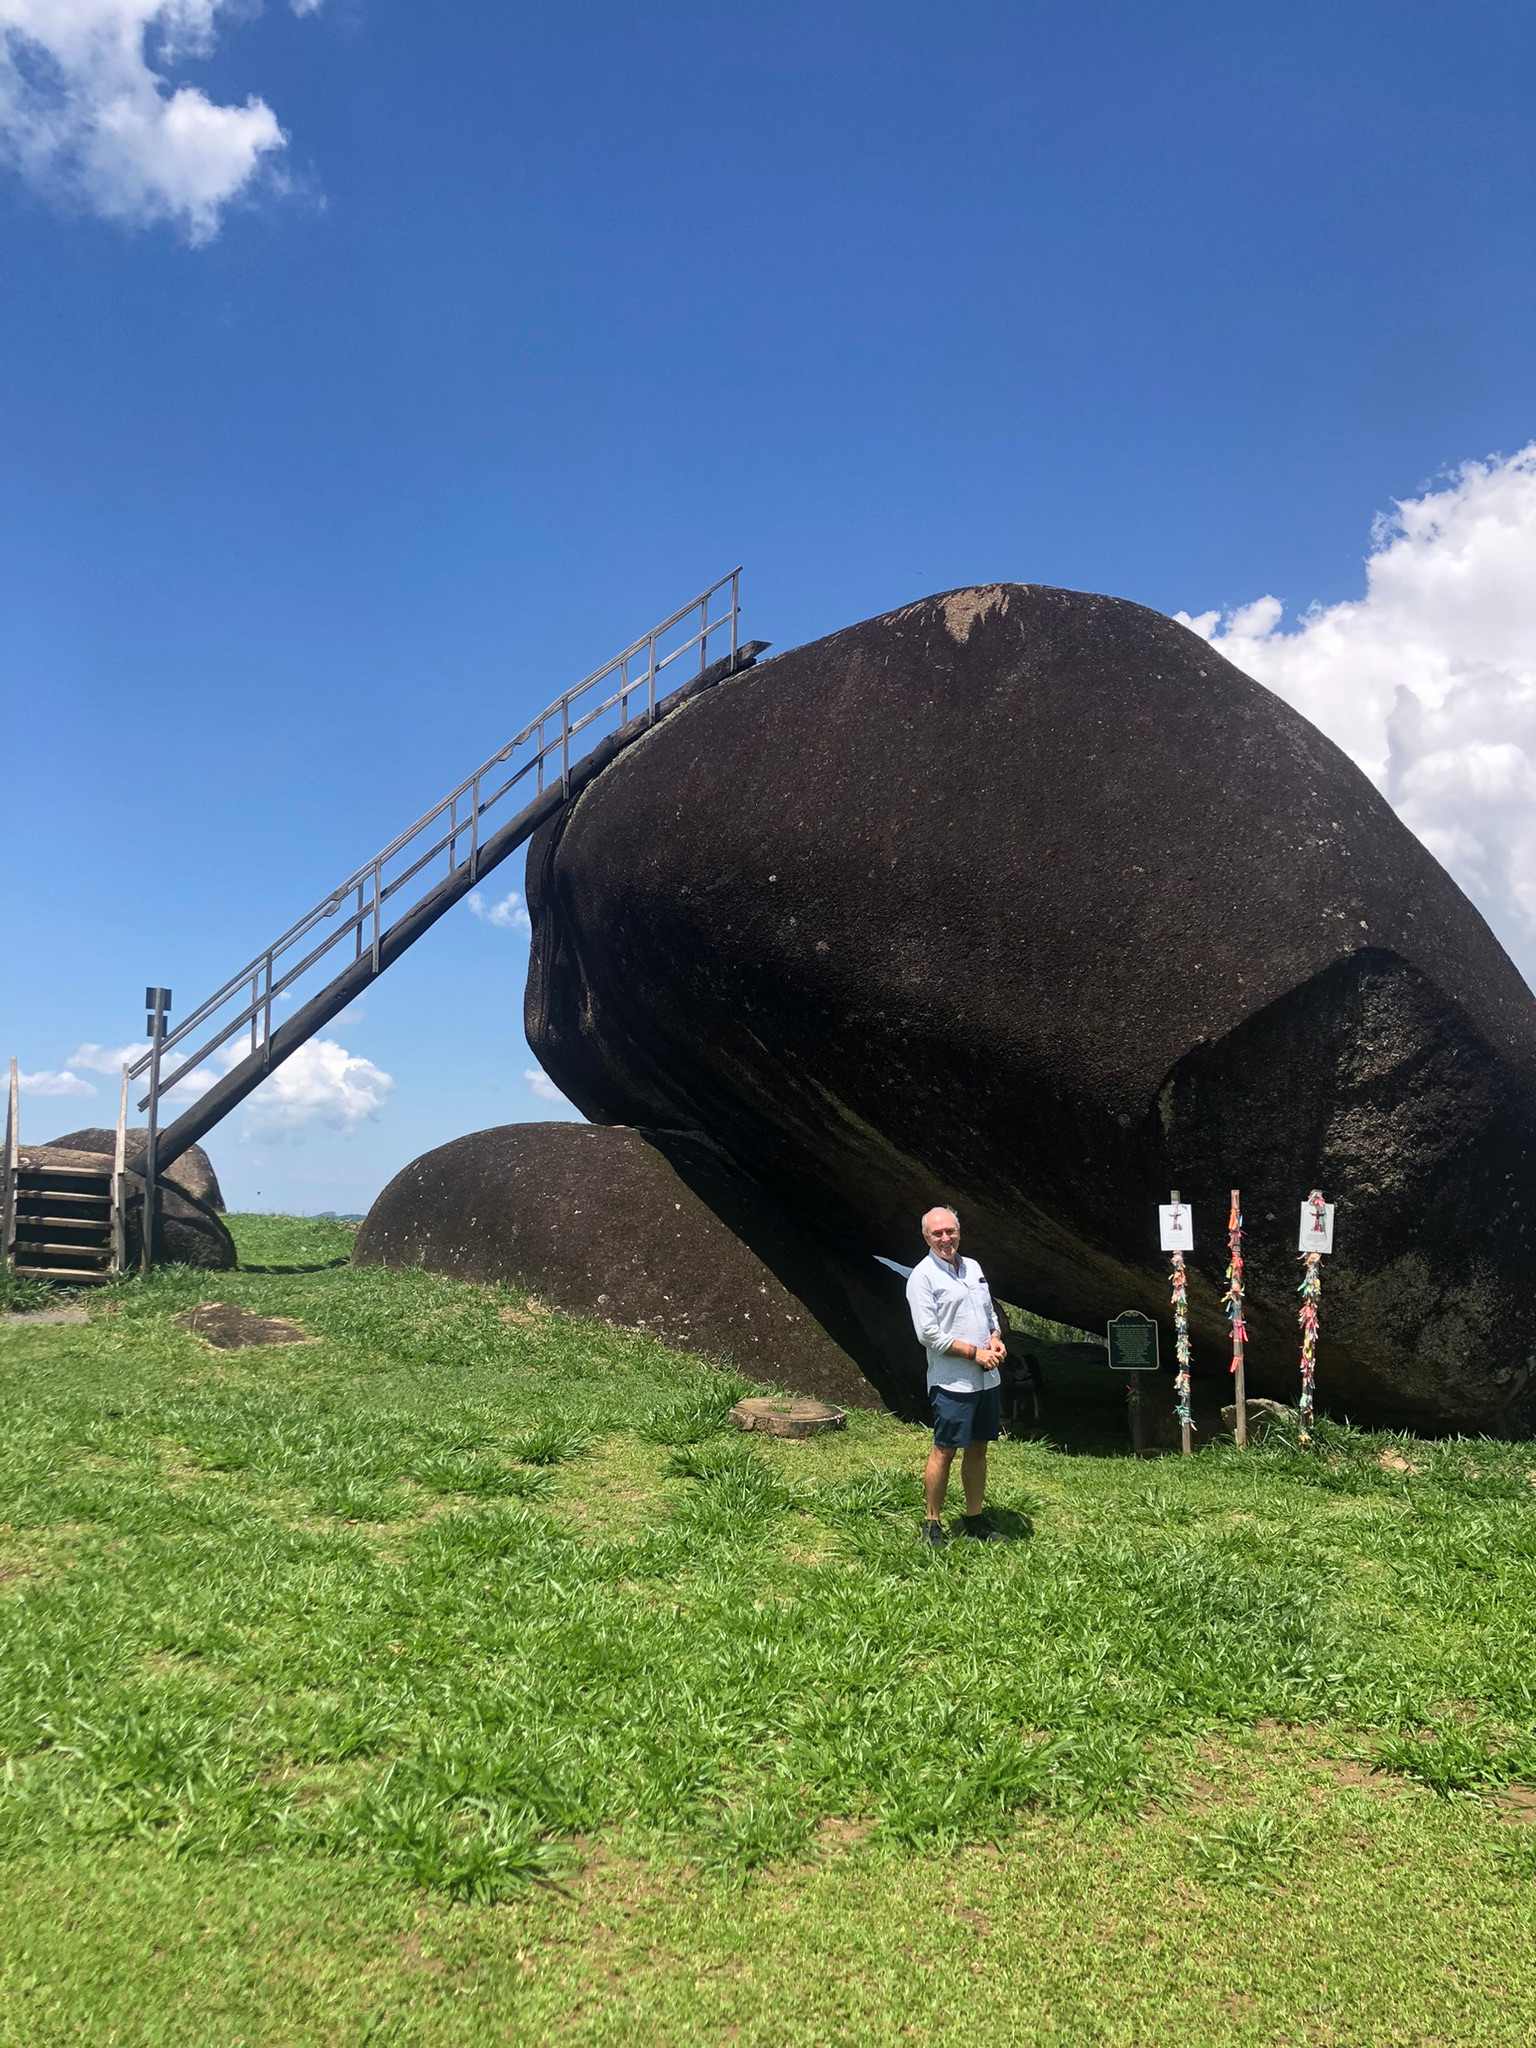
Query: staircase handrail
[{"x": 366, "y": 883}]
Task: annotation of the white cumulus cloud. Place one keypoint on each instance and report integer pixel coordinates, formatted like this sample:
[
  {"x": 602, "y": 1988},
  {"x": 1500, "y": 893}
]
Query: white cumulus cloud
[
  {"x": 541, "y": 1085},
  {"x": 111, "y": 1059},
  {"x": 321, "y": 1083},
  {"x": 1428, "y": 681},
  {"x": 511, "y": 913},
  {"x": 63, "y": 1083},
  {"x": 87, "y": 112}
]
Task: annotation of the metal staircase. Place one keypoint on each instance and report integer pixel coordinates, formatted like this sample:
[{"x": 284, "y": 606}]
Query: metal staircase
[
  {"x": 231, "y": 1043},
  {"x": 59, "y": 1223}
]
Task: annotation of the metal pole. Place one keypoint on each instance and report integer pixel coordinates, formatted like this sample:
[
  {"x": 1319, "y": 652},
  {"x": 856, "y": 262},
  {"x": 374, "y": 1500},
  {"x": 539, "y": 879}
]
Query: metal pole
[
  {"x": 1133, "y": 1396},
  {"x": 378, "y": 908},
  {"x": 703, "y": 634},
  {"x": 474, "y": 830},
  {"x": 12, "y": 1152},
  {"x": 357, "y": 953},
  {"x": 565, "y": 746},
  {"x": 735, "y": 613},
  {"x": 119, "y": 1161},
  {"x": 266, "y": 1013},
  {"x": 650, "y": 678},
  {"x": 157, "y": 998},
  {"x": 255, "y": 1012}
]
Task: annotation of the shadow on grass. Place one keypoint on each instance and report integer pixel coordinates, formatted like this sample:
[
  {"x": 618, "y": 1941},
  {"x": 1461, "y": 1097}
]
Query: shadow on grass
[{"x": 323, "y": 1266}]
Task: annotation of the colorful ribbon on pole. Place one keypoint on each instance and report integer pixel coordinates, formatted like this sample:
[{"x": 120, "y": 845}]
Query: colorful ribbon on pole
[
  {"x": 1311, "y": 1292},
  {"x": 1232, "y": 1300},
  {"x": 1179, "y": 1285}
]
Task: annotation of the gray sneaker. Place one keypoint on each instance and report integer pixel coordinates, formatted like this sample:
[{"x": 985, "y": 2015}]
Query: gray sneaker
[{"x": 935, "y": 1534}]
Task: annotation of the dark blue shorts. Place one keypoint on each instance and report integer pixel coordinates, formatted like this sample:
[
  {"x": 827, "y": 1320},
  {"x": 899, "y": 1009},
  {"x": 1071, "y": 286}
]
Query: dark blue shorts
[{"x": 961, "y": 1419}]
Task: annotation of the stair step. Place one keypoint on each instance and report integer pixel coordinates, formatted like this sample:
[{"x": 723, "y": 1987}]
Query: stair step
[
  {"x": 71, "y": 1276},
  {"x": 50, "y": 1172},
  {"x": 24, "y": 1218},
  {"x": 61, "y": 1195},
  {"x": 74, "y": 1252}
]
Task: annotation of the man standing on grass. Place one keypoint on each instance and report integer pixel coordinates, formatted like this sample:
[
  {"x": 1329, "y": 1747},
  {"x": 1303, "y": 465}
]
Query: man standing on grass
[{"x": 958, "y": 1327}]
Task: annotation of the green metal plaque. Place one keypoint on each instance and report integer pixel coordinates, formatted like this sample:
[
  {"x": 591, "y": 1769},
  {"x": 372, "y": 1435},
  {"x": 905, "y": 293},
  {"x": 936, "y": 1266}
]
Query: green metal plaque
[{"x": 1132, "y": 1342}]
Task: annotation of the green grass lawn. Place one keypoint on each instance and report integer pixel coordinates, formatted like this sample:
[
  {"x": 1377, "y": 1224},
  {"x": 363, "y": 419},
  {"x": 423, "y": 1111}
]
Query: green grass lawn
[{"x": 459, "y": 1677}]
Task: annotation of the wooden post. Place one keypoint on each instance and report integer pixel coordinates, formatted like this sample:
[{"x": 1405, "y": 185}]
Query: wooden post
[
  {"x": 1235, "y": 1312},
  {"x": 1181, "y": 1346},
  {"x": 1138, "y": 1427}
]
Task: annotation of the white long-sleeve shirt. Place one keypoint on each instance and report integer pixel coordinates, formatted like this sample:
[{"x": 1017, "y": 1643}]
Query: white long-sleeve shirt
[{"x": 951, "y": 1303}]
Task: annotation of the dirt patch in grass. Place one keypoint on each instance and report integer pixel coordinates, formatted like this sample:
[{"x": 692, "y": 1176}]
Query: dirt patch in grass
[
  {"x": 1517, "y": 1804},
  {"x": 225, "y": 1326},
  {"x": 521, "y": 1318},
  {"x": 838, "y": 1834}
]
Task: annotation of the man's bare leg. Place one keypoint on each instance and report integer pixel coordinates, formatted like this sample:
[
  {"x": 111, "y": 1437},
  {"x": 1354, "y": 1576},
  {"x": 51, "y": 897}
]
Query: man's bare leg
[
  {"x": 936, "y": 1479},
  {"x": 973, "y": 1477}
]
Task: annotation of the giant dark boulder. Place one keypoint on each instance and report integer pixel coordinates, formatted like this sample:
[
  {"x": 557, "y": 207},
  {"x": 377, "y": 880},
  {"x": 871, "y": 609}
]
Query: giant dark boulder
[
  {"x": 656, "y": 1231},
  {"x": 191, "y": 1170},
  {"x": 1027, "y": 899}
]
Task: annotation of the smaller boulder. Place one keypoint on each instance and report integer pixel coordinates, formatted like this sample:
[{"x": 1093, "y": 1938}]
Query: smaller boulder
[
  {"x": 1265, "y": 1418},
  {"x": 193, "y": 1170},
  {"x": 657, "y": 1231},
  {"x": 190, "y": 1233}
]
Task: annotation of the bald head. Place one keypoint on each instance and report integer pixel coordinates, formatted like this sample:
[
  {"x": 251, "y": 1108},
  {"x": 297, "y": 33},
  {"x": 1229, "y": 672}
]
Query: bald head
[{"x": 941, "y": 1233}]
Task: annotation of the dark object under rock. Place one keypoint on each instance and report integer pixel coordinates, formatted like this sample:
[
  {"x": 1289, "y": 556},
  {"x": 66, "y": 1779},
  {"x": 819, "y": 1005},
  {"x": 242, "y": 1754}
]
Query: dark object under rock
[
  {"x": 652, "y": 1231},
  {"x": 1027, "y": 899},
  {"x": 228, "y": 1327},
  {"x": 192, "y": 1171},
  {"x": 190, "y": 1233}
]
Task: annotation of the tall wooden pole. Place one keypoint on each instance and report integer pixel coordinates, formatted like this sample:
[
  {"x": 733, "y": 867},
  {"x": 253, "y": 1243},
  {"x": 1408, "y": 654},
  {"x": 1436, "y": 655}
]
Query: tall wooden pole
[
  {"x": 1234, "y": 1308},
  {"x": 1180, "y": 1290}
]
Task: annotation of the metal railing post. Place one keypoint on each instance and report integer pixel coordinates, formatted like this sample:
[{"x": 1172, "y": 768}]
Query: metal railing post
[
  {"x": 12, "y": 1156},
  {"x": 474, "y": 830},
  {"x": 357, "y": 928},
  {"x": 255, "y": 1013},
  {"x": 119, "y": 1162},
  {"x": 650, "y": 678},
  {"x": 735, "y": 613},
  {"x": 378, "y": 911},
  {"x": 703, "y": 634},
  {"x": 266, "y": 1013},
  {"x": 157, "y": 1000},
  {"x": 565, "y": 746}
]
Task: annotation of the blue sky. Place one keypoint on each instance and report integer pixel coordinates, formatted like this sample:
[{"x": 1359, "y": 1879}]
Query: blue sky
[{"x": 415, "y": 359}]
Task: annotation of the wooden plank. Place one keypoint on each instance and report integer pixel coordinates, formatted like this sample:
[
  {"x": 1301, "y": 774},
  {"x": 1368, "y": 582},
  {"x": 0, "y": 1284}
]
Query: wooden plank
[
  {"x": 45, "y": 1171},
  {"x": 68, "y": 1274},
  {"x": 100, "y": 1224},
  {"x": 74, "y": 1252}
]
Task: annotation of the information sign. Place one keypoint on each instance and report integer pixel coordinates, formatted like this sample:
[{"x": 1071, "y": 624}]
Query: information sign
[
  {"x": 1313, "y": 1239},
  {"x": 1132, "y": 1342},
  {"x": 1176, "y": 1222}
]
